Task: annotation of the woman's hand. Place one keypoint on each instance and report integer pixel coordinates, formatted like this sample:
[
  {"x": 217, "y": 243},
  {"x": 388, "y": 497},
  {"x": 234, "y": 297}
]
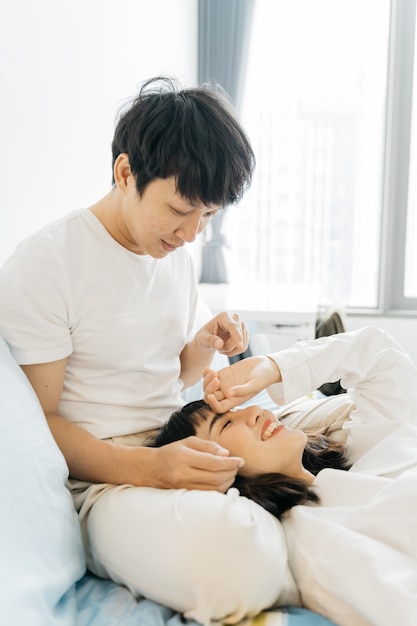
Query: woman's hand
[{"x": 237, "y": 383}]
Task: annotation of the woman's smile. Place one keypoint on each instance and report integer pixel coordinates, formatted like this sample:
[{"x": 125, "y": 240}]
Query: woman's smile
[{"x": 270, "y": 428}]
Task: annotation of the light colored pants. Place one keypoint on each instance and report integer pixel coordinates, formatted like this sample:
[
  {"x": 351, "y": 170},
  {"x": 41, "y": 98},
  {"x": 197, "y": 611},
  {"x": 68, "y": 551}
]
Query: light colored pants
[{"x": 208, "y": 555}]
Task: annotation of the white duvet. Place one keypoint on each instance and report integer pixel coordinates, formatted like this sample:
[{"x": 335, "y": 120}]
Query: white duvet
[{"x": 355, "y": 557}]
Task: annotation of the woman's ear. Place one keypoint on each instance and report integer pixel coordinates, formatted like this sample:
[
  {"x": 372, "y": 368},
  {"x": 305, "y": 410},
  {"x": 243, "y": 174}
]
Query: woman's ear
[{"x": 122, "y": 171}]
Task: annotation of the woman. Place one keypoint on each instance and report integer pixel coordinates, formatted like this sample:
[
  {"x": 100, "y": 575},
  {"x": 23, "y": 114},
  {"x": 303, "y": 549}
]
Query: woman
[
  {"x": 366, "y": 520},
  {"x": 280, "y": 462},
  {"x": 278, "y": 475}
]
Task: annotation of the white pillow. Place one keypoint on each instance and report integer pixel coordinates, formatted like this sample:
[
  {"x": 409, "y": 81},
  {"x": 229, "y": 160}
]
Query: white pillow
[{"x": 40, "y": 541}]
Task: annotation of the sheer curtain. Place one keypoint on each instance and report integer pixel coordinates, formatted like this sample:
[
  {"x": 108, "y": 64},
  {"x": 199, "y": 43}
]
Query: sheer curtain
[
  {"x": 223, "y": 41},
  {"x": 315, "y": 109}
]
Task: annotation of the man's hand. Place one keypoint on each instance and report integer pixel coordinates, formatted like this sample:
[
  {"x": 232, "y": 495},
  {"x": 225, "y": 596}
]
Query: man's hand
[
  {"x": 237, "y": 383},
  {"x": 226, "y": 333},
  {"x": 195, "y": 463}
]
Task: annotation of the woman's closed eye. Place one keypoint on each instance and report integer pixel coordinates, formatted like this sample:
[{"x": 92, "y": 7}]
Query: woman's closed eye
[{"x": 225, "y": 425}]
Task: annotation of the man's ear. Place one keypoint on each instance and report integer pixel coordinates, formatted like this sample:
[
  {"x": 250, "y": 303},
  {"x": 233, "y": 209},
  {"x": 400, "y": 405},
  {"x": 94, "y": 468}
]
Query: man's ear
[{"x": 122, "y": 171}]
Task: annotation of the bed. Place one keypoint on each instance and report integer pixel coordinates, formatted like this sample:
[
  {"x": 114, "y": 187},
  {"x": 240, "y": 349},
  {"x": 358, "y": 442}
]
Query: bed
[{"x": 43, "y": 577}]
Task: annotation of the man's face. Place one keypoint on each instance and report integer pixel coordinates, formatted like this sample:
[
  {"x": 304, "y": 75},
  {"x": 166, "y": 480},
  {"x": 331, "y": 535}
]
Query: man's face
[{"x": 161, "y": 220}]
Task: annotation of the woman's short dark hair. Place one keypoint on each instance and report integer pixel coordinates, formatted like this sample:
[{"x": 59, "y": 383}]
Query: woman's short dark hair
[
  {"x": 190, "y": 134},
  {"x": 275, "y": 492},
  {"x": 182, "y": 423}
]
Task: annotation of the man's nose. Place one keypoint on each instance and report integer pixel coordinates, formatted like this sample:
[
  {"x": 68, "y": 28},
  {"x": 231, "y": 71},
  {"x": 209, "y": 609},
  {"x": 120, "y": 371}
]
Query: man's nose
[{"x": 190, "y": 228}]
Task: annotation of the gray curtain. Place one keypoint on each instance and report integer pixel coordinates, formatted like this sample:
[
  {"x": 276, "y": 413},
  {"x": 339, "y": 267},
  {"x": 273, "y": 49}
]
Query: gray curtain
[{"x": 223, "y": 41}]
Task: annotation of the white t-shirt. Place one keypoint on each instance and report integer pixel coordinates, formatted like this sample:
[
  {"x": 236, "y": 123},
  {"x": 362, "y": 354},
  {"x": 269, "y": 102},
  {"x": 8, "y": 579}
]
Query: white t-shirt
[
  {"x": 122, "y": 320},
  {"x": 354, "y": 557}
]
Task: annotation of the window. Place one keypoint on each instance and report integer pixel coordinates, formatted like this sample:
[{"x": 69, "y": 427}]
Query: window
[{"x": 317, "y": 108}]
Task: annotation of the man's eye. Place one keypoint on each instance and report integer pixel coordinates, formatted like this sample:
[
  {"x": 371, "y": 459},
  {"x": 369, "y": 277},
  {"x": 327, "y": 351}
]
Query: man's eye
[
  {"x": 212, "y": 213},
  {"x": 225, "y": 425}
]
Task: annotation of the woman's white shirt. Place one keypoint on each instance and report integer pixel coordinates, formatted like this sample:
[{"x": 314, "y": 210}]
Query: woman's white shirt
[
  {"x": 380, "y": 379},
  {"x": 354, "y": 557}
]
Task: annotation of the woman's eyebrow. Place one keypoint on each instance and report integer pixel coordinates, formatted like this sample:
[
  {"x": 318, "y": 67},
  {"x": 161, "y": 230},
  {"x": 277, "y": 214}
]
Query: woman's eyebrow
[{"x": 216, "y": 417}]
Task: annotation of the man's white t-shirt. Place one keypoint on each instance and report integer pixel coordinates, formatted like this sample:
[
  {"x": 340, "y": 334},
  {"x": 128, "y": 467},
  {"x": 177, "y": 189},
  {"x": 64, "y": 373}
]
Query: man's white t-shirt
[{"x": 122, "y": 320}]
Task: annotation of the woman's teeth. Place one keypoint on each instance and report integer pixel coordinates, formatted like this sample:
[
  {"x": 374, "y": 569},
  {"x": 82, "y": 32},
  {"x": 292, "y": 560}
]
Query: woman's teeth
[{"x": 268, "y": 431}]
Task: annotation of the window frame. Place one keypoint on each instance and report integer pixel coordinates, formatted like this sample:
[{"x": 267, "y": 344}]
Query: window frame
[{"x": 392, "y": 300}]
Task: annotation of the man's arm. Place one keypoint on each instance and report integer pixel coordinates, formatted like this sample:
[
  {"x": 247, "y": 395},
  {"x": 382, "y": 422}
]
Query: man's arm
[{"x": 191, "y": 463}]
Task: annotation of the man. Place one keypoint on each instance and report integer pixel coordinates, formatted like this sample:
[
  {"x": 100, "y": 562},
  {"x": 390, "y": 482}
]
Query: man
[{"x": 99, "y": 310}]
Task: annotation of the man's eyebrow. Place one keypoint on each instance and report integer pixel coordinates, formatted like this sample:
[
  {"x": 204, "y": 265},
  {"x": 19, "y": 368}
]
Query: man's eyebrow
[
  {"x": 216, "y": 417},
  {"x": 180, "y": 209}
]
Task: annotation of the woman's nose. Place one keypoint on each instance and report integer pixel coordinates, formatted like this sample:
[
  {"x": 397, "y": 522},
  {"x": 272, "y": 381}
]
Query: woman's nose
[{"x": 251, "y": 414}]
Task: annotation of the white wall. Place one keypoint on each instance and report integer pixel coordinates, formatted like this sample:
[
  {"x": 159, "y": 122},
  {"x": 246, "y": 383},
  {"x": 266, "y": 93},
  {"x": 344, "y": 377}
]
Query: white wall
[
  {"x": 403, "y": 329},
  {"x": 65, "y": 68}
]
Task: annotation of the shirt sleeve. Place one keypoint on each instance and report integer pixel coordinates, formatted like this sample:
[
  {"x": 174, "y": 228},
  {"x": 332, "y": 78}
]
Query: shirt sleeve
[
  {"x": 34, "y": 308},
  {"x": 380, "y": 377}
]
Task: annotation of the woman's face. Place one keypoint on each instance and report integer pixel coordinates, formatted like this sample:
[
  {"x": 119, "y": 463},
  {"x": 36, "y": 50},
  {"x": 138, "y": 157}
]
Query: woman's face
[{"x": 255, "y": 435}]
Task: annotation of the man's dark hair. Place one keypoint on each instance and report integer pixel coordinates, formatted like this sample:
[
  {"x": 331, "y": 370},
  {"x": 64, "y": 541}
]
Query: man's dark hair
[
  {"x": 277, "y": 493},
  {"x": 190, "y": 134}
]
